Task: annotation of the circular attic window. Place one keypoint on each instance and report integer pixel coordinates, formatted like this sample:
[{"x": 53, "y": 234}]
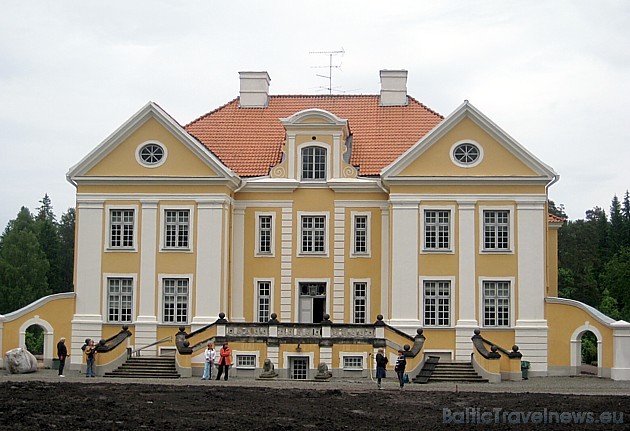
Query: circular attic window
[
  {"x": 466, "y": 154},
  {"x": 151, "y": 154}
]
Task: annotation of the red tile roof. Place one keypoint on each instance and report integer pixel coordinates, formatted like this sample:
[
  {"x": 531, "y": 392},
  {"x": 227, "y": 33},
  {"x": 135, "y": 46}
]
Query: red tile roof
[
  {"x": 249, "y": 140},
  {"x": 554, "y": 219}
]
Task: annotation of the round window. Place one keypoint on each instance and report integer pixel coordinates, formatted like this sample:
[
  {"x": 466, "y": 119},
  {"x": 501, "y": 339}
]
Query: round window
[
  {"x": 151, "y": 154},
  {"x": 466, "y": 154}
]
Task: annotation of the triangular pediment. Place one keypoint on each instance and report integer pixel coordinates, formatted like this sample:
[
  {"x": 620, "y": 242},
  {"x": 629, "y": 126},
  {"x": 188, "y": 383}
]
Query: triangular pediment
[
  {"x": 498, "y": 154},
  {"x": 119, "y": 156}
]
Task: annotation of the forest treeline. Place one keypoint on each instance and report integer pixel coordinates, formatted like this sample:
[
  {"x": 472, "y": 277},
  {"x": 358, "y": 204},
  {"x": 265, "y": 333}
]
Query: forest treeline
[{"x": 37, "y": 257}]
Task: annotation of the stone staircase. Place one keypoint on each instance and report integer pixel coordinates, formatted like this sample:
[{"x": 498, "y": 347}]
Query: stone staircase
[
  {"x": 146, "y": 368},
  {"x": 435, "y": 371}
]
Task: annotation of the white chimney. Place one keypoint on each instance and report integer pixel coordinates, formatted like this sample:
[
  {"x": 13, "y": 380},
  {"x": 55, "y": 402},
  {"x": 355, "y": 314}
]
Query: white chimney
[
  {"x": 254, "y": 89},
  {"x": 393, "y": 87}
]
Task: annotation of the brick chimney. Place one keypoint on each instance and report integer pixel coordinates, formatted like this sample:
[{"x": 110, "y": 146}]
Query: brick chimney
[
  {"x": 254, "y": 89},
  {"x": 393, "y": 88}
]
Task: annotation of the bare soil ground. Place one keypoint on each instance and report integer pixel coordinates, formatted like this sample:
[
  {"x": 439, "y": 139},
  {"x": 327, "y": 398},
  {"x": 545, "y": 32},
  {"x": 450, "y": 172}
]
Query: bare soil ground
[{"x": 40, "y": 405}]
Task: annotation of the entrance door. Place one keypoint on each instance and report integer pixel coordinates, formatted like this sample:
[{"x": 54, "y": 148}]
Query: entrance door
[
  {"x": 298, "y": 367},
  {"x": 312, "y": 302}
]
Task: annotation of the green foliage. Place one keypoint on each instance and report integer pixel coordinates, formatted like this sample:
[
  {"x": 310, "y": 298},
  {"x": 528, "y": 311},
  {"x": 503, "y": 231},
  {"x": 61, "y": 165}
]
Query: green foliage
[
  {"x": 589, "y": 348},
  {"x": 36, "y": 256},
  {"x": 34, "y": 339}
]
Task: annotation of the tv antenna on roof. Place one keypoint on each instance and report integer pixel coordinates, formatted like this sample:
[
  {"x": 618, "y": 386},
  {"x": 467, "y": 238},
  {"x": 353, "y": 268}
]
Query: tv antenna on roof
[{"x": 330, "y": 66}]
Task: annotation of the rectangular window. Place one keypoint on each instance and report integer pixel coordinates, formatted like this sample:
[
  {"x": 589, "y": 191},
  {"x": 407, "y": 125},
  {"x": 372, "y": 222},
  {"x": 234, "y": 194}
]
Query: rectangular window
[
  {"x": 121, "y": 225},
  {"x": 245, "y": 361},
  {"x": 360, "y": 234},
  {"x": 264, "y": 301},
  {"x": 496, "y": 303},
  {"x": 437, "y": 303},
  {"x": 177, "y": 226},
  {"x": 175, "y": 300},
  {"x": 437, "y": 225},
  {"x": 119, "y": 299},
  {"x": 353, "y": 362},
  {"x": 313, "y": 234},
  {"x": 264, "y": 234},
  {"x": 496, "y": 230},
  {"x": 360, "y": 302},
  {"x": 314, "y": 163}
]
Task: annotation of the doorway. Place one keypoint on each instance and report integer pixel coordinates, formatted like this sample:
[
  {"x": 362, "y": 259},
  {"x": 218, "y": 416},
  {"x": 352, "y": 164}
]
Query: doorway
[
  {"x": 312, "y": 302},
  {"x": 298, "y": 367}
]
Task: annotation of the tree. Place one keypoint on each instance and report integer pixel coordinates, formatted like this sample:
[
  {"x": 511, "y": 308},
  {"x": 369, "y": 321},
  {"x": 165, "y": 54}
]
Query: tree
[
  {"x": 616, "y": 225},
  {"x": 48, "y": 236},
  {"x": 616, "y": 279},
  {"x": 23, "y": 264},
  {"x": 66, "y": 253}
]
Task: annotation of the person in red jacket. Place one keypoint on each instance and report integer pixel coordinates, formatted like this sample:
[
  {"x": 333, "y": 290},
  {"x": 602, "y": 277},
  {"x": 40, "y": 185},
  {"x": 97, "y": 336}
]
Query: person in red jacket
[{"x": 224, "y": 361}]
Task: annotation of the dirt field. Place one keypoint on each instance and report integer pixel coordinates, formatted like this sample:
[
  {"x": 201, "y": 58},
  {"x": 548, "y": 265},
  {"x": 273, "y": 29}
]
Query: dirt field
[{"x": 34, "y": 405}]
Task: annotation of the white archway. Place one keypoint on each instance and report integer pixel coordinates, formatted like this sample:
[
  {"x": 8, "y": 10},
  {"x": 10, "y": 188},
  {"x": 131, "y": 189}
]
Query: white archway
[
  {"x": 49, "y": 337},
  {"x": 576, "y": 348}
]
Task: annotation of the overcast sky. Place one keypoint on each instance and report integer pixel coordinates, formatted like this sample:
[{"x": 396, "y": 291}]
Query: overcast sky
[{"x": 552, "y": 74}]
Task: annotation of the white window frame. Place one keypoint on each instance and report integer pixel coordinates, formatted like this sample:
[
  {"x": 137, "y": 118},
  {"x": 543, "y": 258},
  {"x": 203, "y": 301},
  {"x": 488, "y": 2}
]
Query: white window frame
[
  {"x": 105, "y": 295},
  {"x": 512, "y": 307},
  {"x": 326, "y": 215},
  {"x": 191, "y": 224},
  {"x": 368, "y": 235},
  {"x": 108, "y": 225},
  {"x": 151, "y": 166},
  {"x": 271, "y": 281},
  {"x": 298, "y": 163},
  {"x": 368, "y": 282},
  {"x": 452, "y": 300},
  {"x": 255, "y": 353},
  {"x": 257, "y": 251},
  {"x": 343, "y": 355},
  {"x": 482, "y": 237},
  {"x": 456, "y": 162},
  {"x": 451, "y": 229},
  {"x": 296, "y": 290},
  {"x": 326, "y": 149},
  {"x": 161, "y": 278}
]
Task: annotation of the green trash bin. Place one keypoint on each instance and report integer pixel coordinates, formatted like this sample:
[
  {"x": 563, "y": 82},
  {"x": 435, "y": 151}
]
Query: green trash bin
[{"x": 525, "y": 369}]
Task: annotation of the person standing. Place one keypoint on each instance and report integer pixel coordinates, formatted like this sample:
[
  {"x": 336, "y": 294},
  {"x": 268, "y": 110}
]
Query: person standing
[
  {"x": 90, "y": 353},
  {"x": 381, "y": 363},
  {"x": 401, "y": 364},
  {"x": 210, "y": 354},
  {"x": 224, "y": 361},
  {"x": 62, "y": 354}
]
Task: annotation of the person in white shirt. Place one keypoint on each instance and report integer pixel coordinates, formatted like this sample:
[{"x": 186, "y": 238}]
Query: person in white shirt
[{"x": 210, "y": 354}]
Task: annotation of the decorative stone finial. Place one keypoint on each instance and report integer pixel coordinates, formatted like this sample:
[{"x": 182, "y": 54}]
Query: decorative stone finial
[
  {"x": 477, "y": 331},
  {"x": 494, "y": 348},
  {"x": 274, "y": 316},
  {"x": 419, "y": 331},
  {"x": 186, "y": 343},
  {"x": 379, "y": 317},
  {"x": 406, "y": 347},
  {"x": 515, "y": 348},
  {"x": 326, "y": 316},
  {"x": 182, "y": 329},
  {"x": 222, "y": 315},
  {"x": 125, "y": 327}
]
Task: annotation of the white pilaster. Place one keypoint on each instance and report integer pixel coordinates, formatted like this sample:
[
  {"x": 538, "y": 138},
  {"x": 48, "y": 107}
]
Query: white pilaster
[
  {"x": 384, "y": 311},
  {"x": 325, "y": 356},
  {"x": 405, "y": 217},
  {"x": 286, "y": 280},
  {"x": 148, "y": 252},
  {"x": 466, "y": 287},
  {"x": 89, "y": 253},
  {"x": 238, "y": 264},
  {"x": 339, "y": 266},
  {"x": 208, "y": 298},
  {"x": 621, "y": 351},
  {"x": 531, "y": 262}
]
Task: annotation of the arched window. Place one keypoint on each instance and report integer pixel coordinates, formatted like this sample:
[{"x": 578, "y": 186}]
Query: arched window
[{"x": 314, "y": 163}]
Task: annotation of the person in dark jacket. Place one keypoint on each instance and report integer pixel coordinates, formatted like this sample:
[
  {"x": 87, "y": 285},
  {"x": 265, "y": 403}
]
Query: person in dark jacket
[
  {"x": 381, "y": 363},
  {"x": 62, "y": 354},
  {"x": 401, "y": 364}
]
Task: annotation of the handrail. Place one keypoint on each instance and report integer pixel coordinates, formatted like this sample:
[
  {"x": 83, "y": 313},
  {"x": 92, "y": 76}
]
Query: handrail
[
  {"x": 478, "y": 342},
  {"x": 137, "y": 351},
  {"x": 114, "y": 341}
]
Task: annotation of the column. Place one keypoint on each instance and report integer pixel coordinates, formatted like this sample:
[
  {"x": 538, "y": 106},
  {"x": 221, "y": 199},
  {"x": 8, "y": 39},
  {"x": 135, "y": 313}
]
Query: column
[
  {"x": 238, "y": 264},
  {"x": 384, "y": 311},
  {"x": 404, "y": 300},
  {"x": 339, "y": 266},
  {"x": 209, "y": 262},
  {"x": 531, "y": 326},
  {"x": 146, "y": 321},
  {"x": 466, "y": 286},
  {"x": 286, "y": 279},
  {"x": 87, "y": 321}
]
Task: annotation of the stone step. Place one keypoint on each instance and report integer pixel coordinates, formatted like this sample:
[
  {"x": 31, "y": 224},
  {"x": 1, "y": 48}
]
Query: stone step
[{"x": 147, "y": 367}]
